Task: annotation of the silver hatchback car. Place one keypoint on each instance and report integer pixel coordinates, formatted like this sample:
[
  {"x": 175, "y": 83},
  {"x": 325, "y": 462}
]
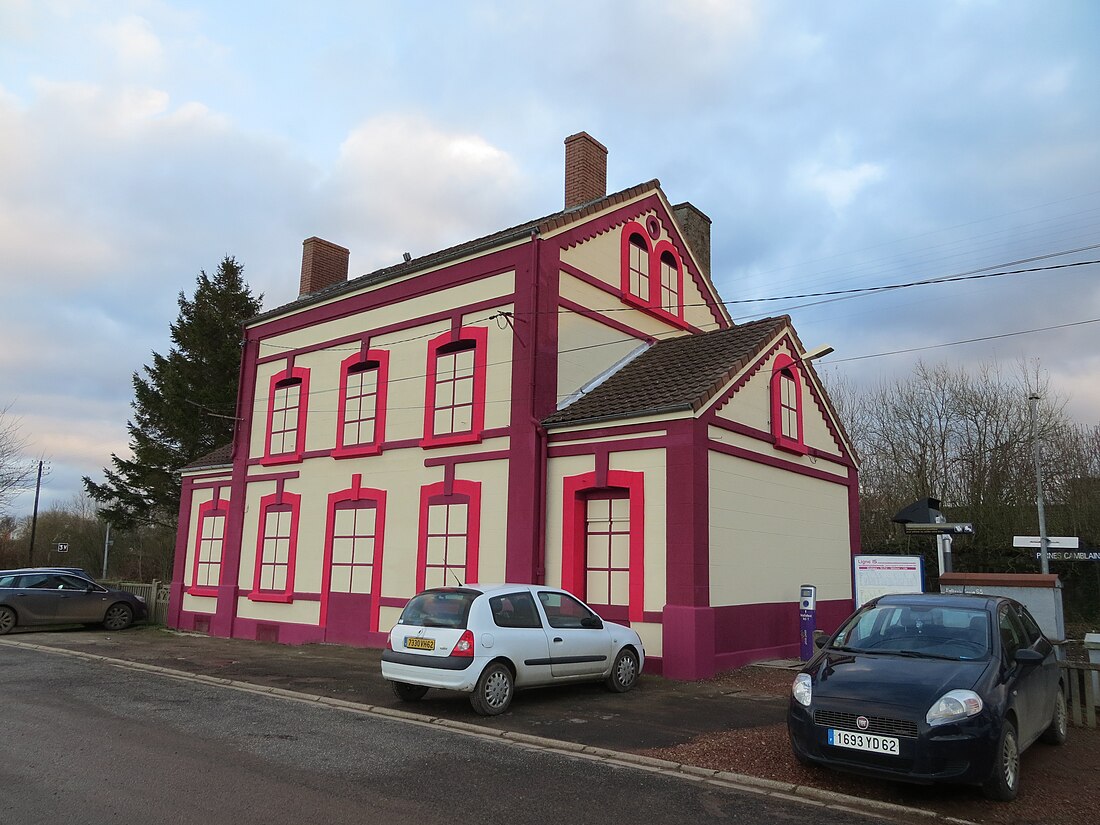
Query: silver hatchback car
[
  {"x": 50, "y": 596},
  {"x": 489, "y": 640}
]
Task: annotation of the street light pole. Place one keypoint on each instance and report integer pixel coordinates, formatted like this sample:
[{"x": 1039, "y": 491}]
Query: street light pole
[{"x": 1044, "y": 542}]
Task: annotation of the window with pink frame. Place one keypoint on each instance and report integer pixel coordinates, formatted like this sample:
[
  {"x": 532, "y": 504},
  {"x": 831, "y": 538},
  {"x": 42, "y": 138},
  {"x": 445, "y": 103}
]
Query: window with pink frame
[
  {"x": 276, "y": 548},
  {"x": 786, "y": 405},
  {"x": 455, "y": 400},
  {"x": 652, "y": 274},
  {"x": 354, "y": 538},
  {"x": 449, "y": 535},
  {"x": 362, "y": 424},
  {"x": 286, "y": 415},
  {"x": 209, "y": 545},
  {"x": 607, "y": 548}
]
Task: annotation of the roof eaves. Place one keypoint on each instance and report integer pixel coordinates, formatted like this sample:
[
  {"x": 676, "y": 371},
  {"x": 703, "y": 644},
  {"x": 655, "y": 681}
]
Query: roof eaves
[{"x": 616, "y": 416}]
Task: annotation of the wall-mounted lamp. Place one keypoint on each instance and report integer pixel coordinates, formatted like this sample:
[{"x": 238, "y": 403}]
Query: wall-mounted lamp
[{"x": 816, "y": 352}]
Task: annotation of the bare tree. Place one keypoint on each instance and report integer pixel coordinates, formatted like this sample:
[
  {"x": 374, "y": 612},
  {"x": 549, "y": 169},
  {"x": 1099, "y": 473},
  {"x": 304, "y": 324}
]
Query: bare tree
[{"x": 15, "y": 468}]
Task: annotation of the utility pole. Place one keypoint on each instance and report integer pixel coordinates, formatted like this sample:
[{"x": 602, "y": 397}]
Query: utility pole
[
  {"x": 106, "y": 549},
  {"x": 34, "y": 518},
  {"x": 1044, "y": 542}
]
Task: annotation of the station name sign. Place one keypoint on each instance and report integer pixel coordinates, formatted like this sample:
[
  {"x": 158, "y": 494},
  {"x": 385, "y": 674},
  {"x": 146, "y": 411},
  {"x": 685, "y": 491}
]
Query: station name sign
[{"x": 1059, "y": 555}]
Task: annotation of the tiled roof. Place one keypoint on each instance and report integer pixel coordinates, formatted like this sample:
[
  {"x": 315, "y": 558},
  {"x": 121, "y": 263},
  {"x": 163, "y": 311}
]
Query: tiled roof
[
  {"x": 545, "y": 224},
  {"x": 675, "y": 374},
  {"x": 219, "y": 457}
]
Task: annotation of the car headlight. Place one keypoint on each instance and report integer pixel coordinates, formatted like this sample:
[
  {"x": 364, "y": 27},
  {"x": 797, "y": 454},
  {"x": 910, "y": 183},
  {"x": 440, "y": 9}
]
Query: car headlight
[
  {"x": 802, "y": 690},
  {"x": 954, "y": 706}
]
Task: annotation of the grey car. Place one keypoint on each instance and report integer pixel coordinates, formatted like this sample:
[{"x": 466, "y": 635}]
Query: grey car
[{"x": 43, "y": 596}]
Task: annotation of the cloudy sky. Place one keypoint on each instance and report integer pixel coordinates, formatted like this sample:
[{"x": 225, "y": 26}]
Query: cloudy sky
[{"x": 836, "y": 145}]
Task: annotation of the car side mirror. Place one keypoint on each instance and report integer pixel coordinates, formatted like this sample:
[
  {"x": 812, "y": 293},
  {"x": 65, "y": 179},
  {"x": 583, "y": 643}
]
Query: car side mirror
[
  {"x": 592, "y": 622},
  {"x": 820, "y": 638},
  {"x": 1027, "y": 656}
]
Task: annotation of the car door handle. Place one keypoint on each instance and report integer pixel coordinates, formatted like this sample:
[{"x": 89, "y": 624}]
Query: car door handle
[{"x": 557, "y": 639}]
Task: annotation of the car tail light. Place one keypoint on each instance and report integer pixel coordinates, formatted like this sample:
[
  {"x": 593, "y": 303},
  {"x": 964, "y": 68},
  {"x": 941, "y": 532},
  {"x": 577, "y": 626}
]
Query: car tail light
[
  {"x": 389, "y": 644},
  {"x": 464, "y": 647}
]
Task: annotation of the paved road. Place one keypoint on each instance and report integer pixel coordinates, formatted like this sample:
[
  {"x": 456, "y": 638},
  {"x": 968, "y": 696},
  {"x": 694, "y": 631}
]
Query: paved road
[{"x": 86, "y": 743}]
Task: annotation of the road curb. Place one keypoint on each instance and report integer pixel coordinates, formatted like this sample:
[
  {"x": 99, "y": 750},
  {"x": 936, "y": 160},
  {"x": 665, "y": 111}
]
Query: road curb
[{"x": 734, "y": 781}]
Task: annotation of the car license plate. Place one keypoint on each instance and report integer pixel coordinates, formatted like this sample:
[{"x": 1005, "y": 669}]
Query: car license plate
[
  {"x": 419, "y": 643},
  {"x": 863, "y": 741}
]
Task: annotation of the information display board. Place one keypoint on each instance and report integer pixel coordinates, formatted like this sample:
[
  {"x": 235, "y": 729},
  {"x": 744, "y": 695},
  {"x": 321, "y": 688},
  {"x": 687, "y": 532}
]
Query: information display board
[{"x": 879, "y": 575}]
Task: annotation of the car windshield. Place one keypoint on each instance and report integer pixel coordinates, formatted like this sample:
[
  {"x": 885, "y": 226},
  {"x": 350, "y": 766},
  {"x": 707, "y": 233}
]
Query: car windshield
[
  {"x": 936, "y": 631},
  {"x": 439, "y": 608}
]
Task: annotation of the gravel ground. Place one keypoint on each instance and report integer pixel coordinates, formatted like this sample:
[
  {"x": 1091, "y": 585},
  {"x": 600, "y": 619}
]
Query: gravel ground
[{"x": 1061, "y": 785}]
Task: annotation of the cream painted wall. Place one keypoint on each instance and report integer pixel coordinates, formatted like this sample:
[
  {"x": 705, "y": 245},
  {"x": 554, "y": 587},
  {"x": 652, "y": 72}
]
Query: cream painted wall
[
  {"x": 405, "y": 390},
  {"x": 751, "y": 406},
  {"x": 301, "y": 612},
  {"x": 587, "y": 348},
  {"x": 199, "y": 497},
  {"x": 766, "y": 448},
  {"x": 649, "y": 462},
  {"x": 402, "y": 478},
  {"x": 199, "y": 604},
  {"x": 772, "y": 530}
]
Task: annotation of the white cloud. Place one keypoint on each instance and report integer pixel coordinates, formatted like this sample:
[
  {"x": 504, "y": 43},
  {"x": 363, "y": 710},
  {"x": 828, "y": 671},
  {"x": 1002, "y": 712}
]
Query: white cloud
[
  {"x": 840, "y": 185},
  {"x": 131, "y": 41},
  {"x": 404, "y": 183}
]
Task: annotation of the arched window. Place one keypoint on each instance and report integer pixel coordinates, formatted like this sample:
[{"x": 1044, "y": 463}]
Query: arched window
[
  {"x": 670, "y": 284},
  {"x": 786, "y": 405},
  {"x": 638, "y": 267},
  {"x": 362, "y": 423},
  {"x": 288, "y": 397},
  {"x": 454, "y": 407}
]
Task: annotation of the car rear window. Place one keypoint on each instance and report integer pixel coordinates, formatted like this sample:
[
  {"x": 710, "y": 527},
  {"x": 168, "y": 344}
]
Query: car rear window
[{"x": 439, "y": 608}]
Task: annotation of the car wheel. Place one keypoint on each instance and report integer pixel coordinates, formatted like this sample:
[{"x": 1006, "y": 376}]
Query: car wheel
[
  {"x": 1056, "y": 733},
  {"x": 494, "y": 690},
  {"x": 624, "y": 673},
  {"x": 1004, "y": 784},
  {"x": 7, "y": 620},
  {"x": 408, "y": 693},
  {"x": 119, "y": 616}
]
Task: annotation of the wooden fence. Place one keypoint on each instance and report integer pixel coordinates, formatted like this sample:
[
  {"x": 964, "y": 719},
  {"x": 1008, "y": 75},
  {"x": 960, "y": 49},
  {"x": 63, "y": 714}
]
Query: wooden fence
[
  {"x": 155, "y": 594},
  {"x": 1082, "y": 692}
]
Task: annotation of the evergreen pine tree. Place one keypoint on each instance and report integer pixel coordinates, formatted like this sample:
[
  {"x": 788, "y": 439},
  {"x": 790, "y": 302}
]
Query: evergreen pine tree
[{"x": 183, "y": 405}]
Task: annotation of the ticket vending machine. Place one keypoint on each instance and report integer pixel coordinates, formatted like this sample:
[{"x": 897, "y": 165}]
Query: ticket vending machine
[{"x": 807, "y": 620}]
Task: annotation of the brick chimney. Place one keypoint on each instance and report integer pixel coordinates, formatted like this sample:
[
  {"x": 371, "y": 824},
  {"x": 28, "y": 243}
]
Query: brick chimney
[
  {"x": 585, "y": 169},
  {"x": 323, "y": 264},
  {"x": 696, "y": 228}
]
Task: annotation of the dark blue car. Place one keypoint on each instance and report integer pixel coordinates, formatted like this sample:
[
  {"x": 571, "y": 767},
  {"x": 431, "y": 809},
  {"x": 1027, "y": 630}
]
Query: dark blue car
[{"x": 931, "y": 688}]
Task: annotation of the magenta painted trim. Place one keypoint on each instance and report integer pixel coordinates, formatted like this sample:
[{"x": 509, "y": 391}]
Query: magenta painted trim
[
  {"x": 687, "y": 508},
  {"x": 776, "y": 461},
  {"x": 398, "y": 327},
  {"x": 656, "y": 285},
  {"x": 179, "y": 562},
  {"x": 301, "y": 374},
  {"x": 609, "y": 221},
  {"x": 632, "y": 229},
  {"x": 469, "y": 458},
  {"x": 718, "y": 422},
  {"x": 784, "y": 363},
  {"x": 377, "y": 499},
  {"x": 480, "y": 337},
  {"x": 558, "y": 437},
  {"x": 611, "y": 323},
  {"x": 711, "y": 414},
  {"x": 573, "y": 548},
  {"x": 373, "y": 447},
  {"x": 483, "y": 266},
  {"x": 292, "y": 501},
  {"x": 209, "y": 509},
  {"x": 462, "y": 492},
  {"x": 645, "y": 443}
]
